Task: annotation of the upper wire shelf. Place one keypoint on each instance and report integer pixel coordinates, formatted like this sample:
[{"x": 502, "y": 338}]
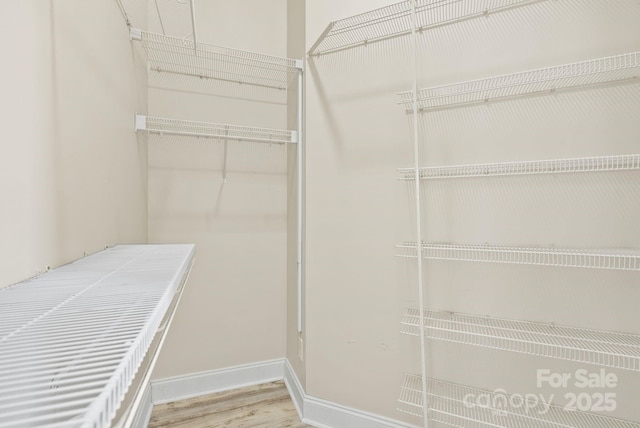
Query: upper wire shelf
[
  {"x": 553, "y": 166},
  {"x": 582, "y": 258},
  {"x": 74, "y": 338},
  {"x": 458, "y": 405},
  {"x": 189, "y": 128},
  {"x": 592, "y": 72},
  {"x": 182, "y": 56},
  {"x": 604, "y": 348},
  {"x": 395, "y": 20}
]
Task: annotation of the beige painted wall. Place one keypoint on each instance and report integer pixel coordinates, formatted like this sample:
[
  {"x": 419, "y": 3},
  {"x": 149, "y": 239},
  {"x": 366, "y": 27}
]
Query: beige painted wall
[
  {"x": 73, "y": 171},
  {"x": 356, "y": 290},
  {"x": 234, "y": 308}
]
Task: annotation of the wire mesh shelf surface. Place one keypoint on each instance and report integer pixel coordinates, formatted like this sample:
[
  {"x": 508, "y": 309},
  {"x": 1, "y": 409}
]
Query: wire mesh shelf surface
[
  {"x": 592, "y": 72},
  {"x": 73, "y": 338},
  {"x": 464, "y": 406},
  {"x": 583, "y": 258},
  {"x": 553, "y": 166},
  {"x": 609, "y": 349},
  {"x": 182, "y": 56},
  {"x": 395, "y": 20},
  {"x": 161, "y": 125}
]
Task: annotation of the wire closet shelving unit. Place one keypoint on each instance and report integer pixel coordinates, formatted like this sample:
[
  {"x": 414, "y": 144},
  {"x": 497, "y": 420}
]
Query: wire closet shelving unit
[
  {"x": 434, "y": 400},
  {"x": 188, "y": 57},
  {"x": 74, "y": 338},
  {"x": 184, "y": 57},
  {"x": 452, "y": 405}
]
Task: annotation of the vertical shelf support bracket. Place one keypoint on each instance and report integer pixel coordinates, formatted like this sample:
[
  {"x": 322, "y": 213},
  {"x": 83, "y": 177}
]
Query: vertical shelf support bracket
[{"x": 416, "y": 156}]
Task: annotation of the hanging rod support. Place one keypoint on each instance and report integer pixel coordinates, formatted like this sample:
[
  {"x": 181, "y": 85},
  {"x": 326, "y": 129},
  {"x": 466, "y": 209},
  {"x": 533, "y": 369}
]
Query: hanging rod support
[
  {"x": 140, "y": 122},
  {"x": 135, "y": 33}
]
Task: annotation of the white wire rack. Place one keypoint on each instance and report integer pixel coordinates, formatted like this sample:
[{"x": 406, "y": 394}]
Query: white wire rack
[
  {"x": 618, "y": 259},
  {"x": 72, "y": 339},
  {"x": 162, "y": 125},
  {"x": 466, "y": 407},
  {"x": 181, "y": 56},
  {"x": 604, "y": 348},
  {"x": 395, "y": 20},
  {"x": 553, "y": 166},
  {"x": 592, "y": 72}
]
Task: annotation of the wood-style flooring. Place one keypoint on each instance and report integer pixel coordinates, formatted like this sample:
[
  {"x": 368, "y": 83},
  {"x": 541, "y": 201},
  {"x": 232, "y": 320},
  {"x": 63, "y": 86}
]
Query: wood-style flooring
[{"x": 267, "y": 405}]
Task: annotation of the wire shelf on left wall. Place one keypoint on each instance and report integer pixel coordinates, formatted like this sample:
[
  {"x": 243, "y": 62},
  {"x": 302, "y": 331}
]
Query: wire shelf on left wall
[{"x": 73, "y": 339}]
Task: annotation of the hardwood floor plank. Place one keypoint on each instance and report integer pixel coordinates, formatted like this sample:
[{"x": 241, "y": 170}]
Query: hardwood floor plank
[{"x": 265, "y": 405}]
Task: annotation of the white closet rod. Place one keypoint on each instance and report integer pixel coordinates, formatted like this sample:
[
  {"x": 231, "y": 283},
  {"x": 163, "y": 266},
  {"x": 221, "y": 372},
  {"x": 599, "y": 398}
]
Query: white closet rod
[{"x": 299, "y": 160}]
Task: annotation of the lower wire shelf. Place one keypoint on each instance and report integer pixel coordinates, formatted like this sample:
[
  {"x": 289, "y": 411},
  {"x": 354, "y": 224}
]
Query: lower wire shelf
[
  {"x": 603, "y": 348},
  {"x": 73, "y": 339},
  {"x": 467, "y": 407}
]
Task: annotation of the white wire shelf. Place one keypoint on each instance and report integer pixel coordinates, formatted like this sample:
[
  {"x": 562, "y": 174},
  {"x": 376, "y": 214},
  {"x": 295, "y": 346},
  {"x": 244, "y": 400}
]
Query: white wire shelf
[
  {"x": 553, "y": 166},
  {"x": 72, "y": 339},
  {"x": 603, "y": 348},
  {"x": 181, "y": 56},
  {"x": 586, "y": 73},
  {"x": 458, "y": 405},
  {"x": 395, "y": 20},
  {"x": 162, "y": 125},
  {"x": 617, "y": 259}
]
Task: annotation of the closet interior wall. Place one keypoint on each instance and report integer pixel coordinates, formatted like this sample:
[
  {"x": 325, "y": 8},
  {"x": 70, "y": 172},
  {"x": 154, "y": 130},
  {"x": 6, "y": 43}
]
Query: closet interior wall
[
  {"x": 73, "y": 172},
  {"x": 357, "y": 211},
  {"x": 229, "y": 199}
]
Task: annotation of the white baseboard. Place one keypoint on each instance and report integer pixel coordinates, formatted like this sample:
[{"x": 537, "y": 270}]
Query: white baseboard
[
  {"x": 313, "y": 411},
  {"x": 193, "y": 385},
  {"x": 143, "y": 415},
  {"x": 325, "y": 414}
]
